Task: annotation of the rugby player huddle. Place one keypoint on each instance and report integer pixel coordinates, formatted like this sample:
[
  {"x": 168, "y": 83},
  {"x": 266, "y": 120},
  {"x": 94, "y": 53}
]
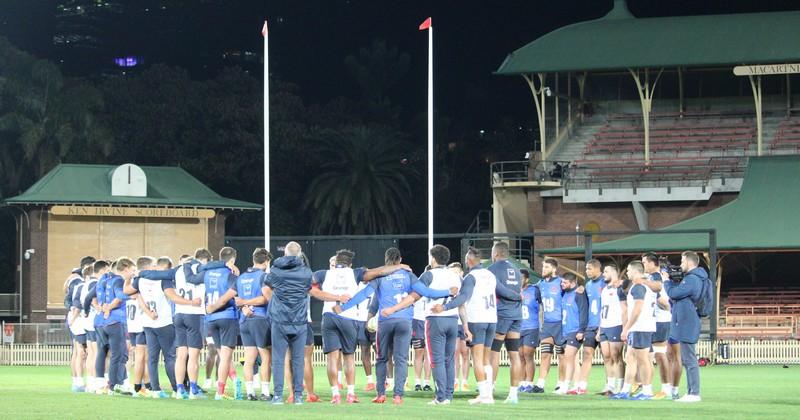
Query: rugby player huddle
[{"x": 125, "y": 315}]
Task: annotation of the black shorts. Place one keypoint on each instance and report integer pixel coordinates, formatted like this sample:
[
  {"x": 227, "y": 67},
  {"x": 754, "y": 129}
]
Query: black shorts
[
  {"x": 507, "y": 325},
  {"x": 571, "y": 339},
  {"x": 225, "y": 332},
  {"x": 482, "y": 333},
  {"x": 417, "y": 334},
  {"x": 364, "y": 336},
  {"x": 640, "y": 340},
  {"x": 551, "y": 330},
  {"x": 188, "y": 330},
  {"x": 80, "y": 339},
  {"x": 461, "y": 334},
  {"x": 91, "y": 336},
  {"x": 530, "y": 338},
  {"x": 255, "y": 332},
  {"x": 137, "y": 338},
  {"x": 662, "y": 332},
  {"x": 611, "y": 334},
  {"x": 590, "y": 339},
  {"x": 310, "y": 336},
  {"x": 338, "y": 333}
]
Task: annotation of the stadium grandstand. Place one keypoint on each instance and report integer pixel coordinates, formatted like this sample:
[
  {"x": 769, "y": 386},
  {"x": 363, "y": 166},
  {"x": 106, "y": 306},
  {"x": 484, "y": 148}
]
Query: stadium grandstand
[{"x": 667, "y": 123}]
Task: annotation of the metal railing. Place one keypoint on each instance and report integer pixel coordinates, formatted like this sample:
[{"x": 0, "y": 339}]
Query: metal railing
[
  {"x": 39, "y": 333},
  {"x": 527, "y": 171},
  {"x": 481, "y": 223},
  {"x": 9, "y": 304}
]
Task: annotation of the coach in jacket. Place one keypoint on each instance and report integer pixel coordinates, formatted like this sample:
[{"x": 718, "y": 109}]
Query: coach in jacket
[{"x": 685, "y": 327}]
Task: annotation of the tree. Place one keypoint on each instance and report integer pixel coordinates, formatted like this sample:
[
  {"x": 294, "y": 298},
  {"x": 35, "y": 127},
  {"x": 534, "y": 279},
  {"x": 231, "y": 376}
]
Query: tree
[{"x": 363, "y": 184}]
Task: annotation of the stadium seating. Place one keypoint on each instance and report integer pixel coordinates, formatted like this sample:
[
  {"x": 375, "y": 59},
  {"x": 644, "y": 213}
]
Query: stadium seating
[
  {"x": 760, "y": 313},
  {"x": 696, "y": 146},
  {"x": 787, "y": 138}
]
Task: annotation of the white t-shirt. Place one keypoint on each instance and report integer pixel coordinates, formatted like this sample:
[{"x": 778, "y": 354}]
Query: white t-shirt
[{"x": 482, "y": 305}]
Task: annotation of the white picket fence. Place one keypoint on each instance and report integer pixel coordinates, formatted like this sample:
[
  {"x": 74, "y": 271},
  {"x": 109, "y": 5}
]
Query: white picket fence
[{"x": 739, "y": 352}]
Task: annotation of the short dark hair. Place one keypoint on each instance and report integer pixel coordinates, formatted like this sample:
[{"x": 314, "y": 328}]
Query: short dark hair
[
  {"x": 87, "y": 260},
  {"x": 123, "y": 263},
  {"x": 88, "y": 271},
  {"x": 184, "y": 256},
  {"x": 650, "y": 256},
  {"x": 636, "y": 265},
  {"x": 202, "y": 254},
  {"x": 441, "y": 254},
  {"x": 143, "y": 262},
  {"x": 345, "y": 257},
  {"x": 261, "y": 256},
  {"x": 551, "y": 261},
  {"x": 501, "y": 248},
  {"x": 570, "y": 277},
  {"x": 164, "y": 261},
  {"x": 392, "y": 256},
  {"x": 455, "y": 264},
  {"x": 474, "y": 252},
  {"x": 691, "y": 256},
  {"x": 100, "y": 265},
  {"x": 594, "y": 262},
  {"x": 226, "y": 254},
  {"x": 613, "y": 267},
  {"x": 525, "y": 273}
]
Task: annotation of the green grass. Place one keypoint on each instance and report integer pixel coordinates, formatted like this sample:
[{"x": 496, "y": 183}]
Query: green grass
[{"x": 727, "y": 391}]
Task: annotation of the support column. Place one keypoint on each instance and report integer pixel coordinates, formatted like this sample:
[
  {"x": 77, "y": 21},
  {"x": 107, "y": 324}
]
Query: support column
[
  {"x": 569, "y": 99},
  {"x": 640, "y": 212},
  {"x": 788, "y": 95},
  {"x": 646, "y": 97},
  {"x": 755, "y": 84},
  {"x": 680, "y": 92},
  {"x": 556, "y": 101},
  {"x": 539, "y": 101},
  {"x": 581, "y": 90}
]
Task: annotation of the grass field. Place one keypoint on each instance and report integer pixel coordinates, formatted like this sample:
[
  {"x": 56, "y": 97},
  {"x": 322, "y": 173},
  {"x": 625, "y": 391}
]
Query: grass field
[{"x": 728, "y": 392}]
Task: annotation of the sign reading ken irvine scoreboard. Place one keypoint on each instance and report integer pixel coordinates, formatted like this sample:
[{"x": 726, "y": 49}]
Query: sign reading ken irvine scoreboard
[
  {"x": 171, "y": 212},
  {"x": 765, "y": 69}
]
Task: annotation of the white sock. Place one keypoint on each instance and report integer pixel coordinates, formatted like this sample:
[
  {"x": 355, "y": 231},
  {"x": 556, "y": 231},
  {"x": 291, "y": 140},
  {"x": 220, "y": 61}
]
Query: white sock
[
  {"x": 619, "y": 382},
  {"x": 489, "y": 373},
  {"x": 248, "y": 386},
  {"x": 370, "y": 379},
  {"x": 626, "y": 388},
  {"x": 647, "y": 389},
  {"x": 666, "y": 388},
  {"x": 581, "y": 385},
  {"x": 540, "y": 383},
  {"x": 426, "y": 383},
  {"x": 339, "y": 376},
  {"x": 264, "y": 388},
  {"x": 610, "y": 384},
  {"x": 126, "y": 383},
  {"x": 334, "y": 391},
  {"x": 351, "y": 389},
  {"x": 512, "y": 392},
  {"x": 416, "y": 381}
]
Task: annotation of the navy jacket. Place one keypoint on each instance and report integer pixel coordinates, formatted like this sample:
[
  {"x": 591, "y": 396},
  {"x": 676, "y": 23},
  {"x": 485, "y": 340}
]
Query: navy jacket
[
  {"x": 685, "y": 326},
  {"x": 290, "y": 281}
]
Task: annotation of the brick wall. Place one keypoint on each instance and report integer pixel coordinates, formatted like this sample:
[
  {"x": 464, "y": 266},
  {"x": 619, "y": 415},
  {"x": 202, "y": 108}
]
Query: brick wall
[
  {"x": 34, "y": 271},
  {"x": 216, "y": 233}
]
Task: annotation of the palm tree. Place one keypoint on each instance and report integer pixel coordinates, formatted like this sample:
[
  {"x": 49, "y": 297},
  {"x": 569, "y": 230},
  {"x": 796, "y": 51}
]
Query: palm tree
[{"x": 363, "y": 186}]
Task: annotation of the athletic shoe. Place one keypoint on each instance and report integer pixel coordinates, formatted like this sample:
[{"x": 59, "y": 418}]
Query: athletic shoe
[
  {"x": 298, "y": 401},
  {"x": 352, "y": 398},
  {"x": 141, "y": 393},
  {"x": 78, "y": 388},
  {"x": 119, "y": 389},
  {"x": 510, "y": 400},
  {"x": 688, "y": 398},
  {"x": 312, "y": 398},
  {"x": 265, "y": 398},
  {"x": 427, "y": 388},
  {"x": 619, "y": 396},
  {"x": 580, "y": 391},
  {"x": 197, "y": 396},
  {"x": 336, "y": 400},
  {"x": 675, "y": 394},
  {"x": 369, "y": 387},
  {"x": 636, "y": 389},
  {"x": 417, "y": 387},
  {"x": 537, "y": 390},
  {"x": 573, "y": 391},
  {"x": 208, "y": 383},
  {"x": 276, "y": 400},
  {"x": 397, "y": 400},
  {"x": 159, "y": 395},
  {"x": 640, "y": 397},
  {"x": 604, "y": 393},
  {"x": 464, "y": 388},
  {"x": 661, "y": 395},
  {"x": 446, "y": 402},
  {"x": 380, "y": 399},
  {"x": 252, "y": 397},
  {"x": 479, "y": 400},
  {"x": 560, "y": 391},
  {"x": 221, "y": 397},
  {"x": 436, "y": 402},
  {"x": 181, "y": 395}
]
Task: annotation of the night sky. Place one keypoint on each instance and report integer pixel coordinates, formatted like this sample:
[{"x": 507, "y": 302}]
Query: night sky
[{"x": 310, "y": 39}]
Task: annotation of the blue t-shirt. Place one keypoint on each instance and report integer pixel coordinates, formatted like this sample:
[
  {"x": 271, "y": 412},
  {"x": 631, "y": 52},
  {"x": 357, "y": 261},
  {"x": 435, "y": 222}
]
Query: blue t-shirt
[
  {"x": 100, "y": 294},
  {"x": 574, "y": 316},
  {"x": 390, "y": 291},
  {"x": 248, "y": 286},
  {"x": 549, "y": 294},
  {"x": 508, "y": 279},
  {"x": 217, "y": 282},
  {"x": 530, "y": 309},
  {"x": 594, "y": 290},
  {"x": 113, "y": 290}
]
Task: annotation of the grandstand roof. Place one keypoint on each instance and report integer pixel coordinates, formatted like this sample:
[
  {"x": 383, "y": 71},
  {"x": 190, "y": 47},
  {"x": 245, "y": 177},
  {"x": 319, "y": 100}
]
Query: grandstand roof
[
  {"x": 762, "y": 218},
  {"x": 619, "y": 41},
  {"x": 167, "y": 186}
]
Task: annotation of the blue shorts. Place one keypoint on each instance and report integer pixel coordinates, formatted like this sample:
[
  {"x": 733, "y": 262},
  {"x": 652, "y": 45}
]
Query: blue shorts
[
  {"x": 80, "y": 339},
  {"x": 418, "y": 334},
  {"x": 338, "y": 333},
  {"x": 507, "y": 325},
  {"x": 530, "y": 338},
  {"x": 662, "y": 332},
  {"x": 611, "y": 334},
  {"x": 91, "y": 336},
  {"x": 255, "y": 332},
  {"x": 364, "y": 337},
  {"x": 137, "y": 338},
  {"x": 482, "y": 333},
  {"x": 225, "y": 332},
  {"x": 188, "y": 330},
  {"x": 590, "y": 339},
  {"x": 571, "y": 339},
  {"x": 461, "y": 334},
  {"x": 309, "y": 335},
  {"x": 640, "y": 340},
  {"x": 551, "y": 330}
]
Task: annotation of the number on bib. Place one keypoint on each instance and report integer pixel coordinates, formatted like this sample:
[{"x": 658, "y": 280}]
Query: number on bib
[
  {"x": 131, "y": 312},
  {"x": 605, "y": 311},
  {"x": 525, "y": 313},
  {"x": 489, "y": 301},
  {"x": 594, "y": 307},
  {"x": 549, "y": 304},
  {"x": 400, "y": 296}
]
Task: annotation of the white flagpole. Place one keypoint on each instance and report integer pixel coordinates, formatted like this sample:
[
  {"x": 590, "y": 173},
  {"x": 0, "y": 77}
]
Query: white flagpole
[
  {"x": 266, "y": 137},
  {"x": 430, "y": 137}
]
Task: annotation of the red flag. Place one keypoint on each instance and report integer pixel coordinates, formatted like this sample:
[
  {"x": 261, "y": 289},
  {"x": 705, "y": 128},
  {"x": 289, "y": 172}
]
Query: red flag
[
  {"x": 425, "y": 25},
  {"x": 264, "y": 29}
]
